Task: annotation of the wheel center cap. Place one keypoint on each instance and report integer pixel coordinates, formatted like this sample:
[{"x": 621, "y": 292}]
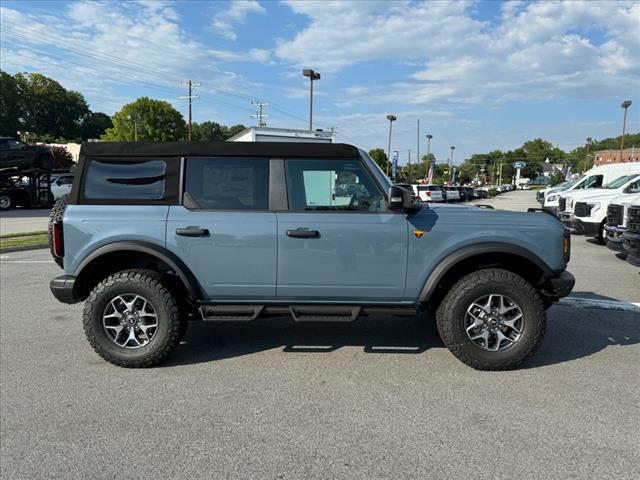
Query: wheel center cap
[
  {"x": 131, "y": 320},
  {"x": 493, "y": 322}
]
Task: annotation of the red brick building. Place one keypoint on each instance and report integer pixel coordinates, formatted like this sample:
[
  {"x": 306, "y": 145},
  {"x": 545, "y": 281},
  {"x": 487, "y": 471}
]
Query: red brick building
[{"x": 603, "y": 157}]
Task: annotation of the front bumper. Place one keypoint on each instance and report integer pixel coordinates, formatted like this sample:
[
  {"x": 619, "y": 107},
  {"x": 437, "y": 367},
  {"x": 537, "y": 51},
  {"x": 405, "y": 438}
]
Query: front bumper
[
  {"x": 562, "y": 284},
  {"x": 614, "y": 238},
  {"x": 64, "y": 289},
  {"x": 632, "y": 247},
  {"x": 566, "y": 219},
  {"x": 552, "y": 210},
  {"x": 589, "y": 229}
]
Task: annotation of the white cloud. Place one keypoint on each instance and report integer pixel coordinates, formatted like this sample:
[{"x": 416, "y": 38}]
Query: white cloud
[
  {"x": 538, "y": 50},
  {"x": 225, "y": 20}
]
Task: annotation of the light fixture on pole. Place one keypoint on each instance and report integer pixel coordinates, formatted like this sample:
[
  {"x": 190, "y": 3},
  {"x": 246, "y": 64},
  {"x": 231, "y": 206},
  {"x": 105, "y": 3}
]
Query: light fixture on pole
[
  {"x": 429, "y": 137},
  {"x": 312, "y": 76},
  {"x": 391, "y": 118},
  {"x": 626, "y": 104}
]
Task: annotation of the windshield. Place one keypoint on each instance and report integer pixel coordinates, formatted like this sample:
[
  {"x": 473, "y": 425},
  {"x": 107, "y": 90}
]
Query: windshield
[
  {"x": 573, "y": 182},
  {"x": 618, "y": 182}
]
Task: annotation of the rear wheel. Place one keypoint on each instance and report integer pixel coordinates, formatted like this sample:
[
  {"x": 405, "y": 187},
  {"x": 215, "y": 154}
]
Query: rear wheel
[
  {"x": 131, "y": 319},
  {"x": 6, "y": 201},
  {"x": 492, "y": 320},
  {"x": 44, "y": 163}
]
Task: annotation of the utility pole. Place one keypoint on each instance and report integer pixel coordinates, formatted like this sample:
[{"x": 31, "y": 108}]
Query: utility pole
[
  {"x": 409, "y": 168},
  {"x": 429, "y": 137},
  {"x": 259, "y": 113},
  {"x": 418, "y": 160},
  {"x": 626, "y": 104},
  {"x": 391, "y": 118},
  {"x": 190, "y": 96},
  {"x": 586, "y": 158},
  {"x": 312, "y": 76}
]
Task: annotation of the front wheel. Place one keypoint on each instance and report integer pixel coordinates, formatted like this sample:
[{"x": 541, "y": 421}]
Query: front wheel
[
  {"x": 131, "y": 319},
  {"x": 6, "y": 201},
  {"x": 492, "y": 319}
]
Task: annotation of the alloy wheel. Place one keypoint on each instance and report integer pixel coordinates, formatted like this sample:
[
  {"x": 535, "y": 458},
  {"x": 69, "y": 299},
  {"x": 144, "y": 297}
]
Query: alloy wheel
[{"x": 494, "y": 322}]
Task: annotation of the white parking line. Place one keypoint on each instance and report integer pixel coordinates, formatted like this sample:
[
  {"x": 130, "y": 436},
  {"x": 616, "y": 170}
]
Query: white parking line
[{"x": 600, "y": 304}]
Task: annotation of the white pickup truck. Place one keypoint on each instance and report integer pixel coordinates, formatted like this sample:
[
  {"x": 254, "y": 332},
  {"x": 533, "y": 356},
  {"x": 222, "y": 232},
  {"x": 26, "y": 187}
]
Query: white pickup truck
[
  {"x": 617, "y": 218},
  {"x": 590, "y": 211}
]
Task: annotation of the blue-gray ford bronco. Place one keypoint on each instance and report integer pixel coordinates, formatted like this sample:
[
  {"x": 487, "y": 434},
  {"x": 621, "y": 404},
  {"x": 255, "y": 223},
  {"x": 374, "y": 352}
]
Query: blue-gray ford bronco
[{"x": 155, "y": 234}]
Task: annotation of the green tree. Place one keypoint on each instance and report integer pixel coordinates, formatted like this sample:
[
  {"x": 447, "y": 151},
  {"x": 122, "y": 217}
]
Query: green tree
[
  {"x": 380, "y": 157},
  {"x": 214, "y": 131},
  {"x": 9, "y": 105},
  {"x": 62, "y": 158},
  {"x": 234, "y": 130},
  {"x": 149, "y": 120},
  {"x": 95, "y": 124},
  {"x": 48, "y": 108}
]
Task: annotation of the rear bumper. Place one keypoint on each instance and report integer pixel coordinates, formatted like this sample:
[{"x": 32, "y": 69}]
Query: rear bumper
[
  {"x": 632, "y": 247},
  {"x": 64, "y": 289},
  {"x": 562, "y": 284}
]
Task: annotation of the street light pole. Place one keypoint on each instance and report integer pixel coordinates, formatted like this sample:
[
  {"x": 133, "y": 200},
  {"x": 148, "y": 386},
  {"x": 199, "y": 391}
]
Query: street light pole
[
  {"x": 626, "y": 104},
  {"x": 429, "y": 137},
  {"x": 312, "y": 76},
  {"x": 391, "y": 118},
  {"x": 451, "y": 159}
]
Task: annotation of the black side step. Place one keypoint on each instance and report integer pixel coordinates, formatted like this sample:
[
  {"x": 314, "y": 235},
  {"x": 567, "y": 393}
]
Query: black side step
[
  {"x": 321, "y": 313},
  {"x": 231, "y": 313}
]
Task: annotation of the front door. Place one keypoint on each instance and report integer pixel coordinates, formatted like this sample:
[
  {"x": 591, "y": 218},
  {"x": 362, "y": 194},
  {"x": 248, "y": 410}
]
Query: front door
[
  {"x": 224, "y": 231},
  {"x": 338, "y": 243}
]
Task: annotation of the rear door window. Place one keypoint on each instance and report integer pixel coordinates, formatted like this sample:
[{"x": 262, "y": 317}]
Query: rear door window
[
  {"x": 130, "y": 180},
  {"x": 228, "y": 183}
]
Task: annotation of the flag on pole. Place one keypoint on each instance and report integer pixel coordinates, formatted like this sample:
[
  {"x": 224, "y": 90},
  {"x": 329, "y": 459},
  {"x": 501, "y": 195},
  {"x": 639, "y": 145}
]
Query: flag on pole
[
  {"x": 394, "y": 165},
  {"x": 430, "y": 176}
]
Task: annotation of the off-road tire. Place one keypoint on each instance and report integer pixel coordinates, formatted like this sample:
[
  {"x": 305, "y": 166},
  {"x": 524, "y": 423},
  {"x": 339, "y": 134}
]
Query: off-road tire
[
  {"x": 44, "y": 163},
  {"x": 451, "y": 312},
  {"x": 7, "y": 201},
  {"x": 55, "y": 216},
  {"x": 170, "y": 322}
]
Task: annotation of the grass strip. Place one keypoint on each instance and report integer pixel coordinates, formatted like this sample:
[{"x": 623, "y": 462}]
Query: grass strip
[{"x": 23, "y": 240}]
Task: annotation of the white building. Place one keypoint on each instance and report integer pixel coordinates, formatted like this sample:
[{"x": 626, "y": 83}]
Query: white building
[{"x": 267, "y": 134}]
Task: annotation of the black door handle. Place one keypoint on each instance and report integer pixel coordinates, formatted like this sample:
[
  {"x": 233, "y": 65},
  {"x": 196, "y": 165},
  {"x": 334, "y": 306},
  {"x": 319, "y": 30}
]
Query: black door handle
[
  {"x": 303, "y": 233},
  {"x": 192, "y": 232}
]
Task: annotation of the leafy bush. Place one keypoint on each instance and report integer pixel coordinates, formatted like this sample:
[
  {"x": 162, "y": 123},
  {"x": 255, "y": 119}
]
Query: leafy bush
[{"x": 62, "y": 158}]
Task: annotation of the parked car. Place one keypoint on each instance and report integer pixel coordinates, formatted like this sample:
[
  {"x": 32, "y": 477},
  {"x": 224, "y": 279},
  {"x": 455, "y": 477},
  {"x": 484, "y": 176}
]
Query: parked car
[
  {"x": 14, "y": 153},
  {"x": 593, "y": 178},
  {"x": 451, "y": 194},
  {"x": 61, "y": 185},
  {"x": 479, "y": 193},
  {"x": 617, "y": 220},
  {"x": 428, "y": 193},
  {"x": 569, "y": 201},
  {"x": 631, "y": 237},
  {"x": 154, "y": 234}
]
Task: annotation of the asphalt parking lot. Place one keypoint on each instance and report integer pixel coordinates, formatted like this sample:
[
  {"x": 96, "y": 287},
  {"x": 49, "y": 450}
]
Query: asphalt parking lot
[
  {"x": 379, "y": 398},
  {"x": 22, "y": 220}
]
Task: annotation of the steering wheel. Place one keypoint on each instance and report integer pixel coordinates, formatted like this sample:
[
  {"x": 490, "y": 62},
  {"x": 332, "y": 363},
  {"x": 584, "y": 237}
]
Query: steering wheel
[{"x": 359, "y": 203}]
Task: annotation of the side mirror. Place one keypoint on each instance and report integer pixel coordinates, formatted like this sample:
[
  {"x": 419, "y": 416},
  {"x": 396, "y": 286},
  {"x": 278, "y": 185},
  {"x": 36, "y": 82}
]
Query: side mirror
[{"x": 400, "y": 198}]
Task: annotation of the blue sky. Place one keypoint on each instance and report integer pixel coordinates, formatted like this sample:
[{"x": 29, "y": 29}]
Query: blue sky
[{"x": 478, "y": 75}]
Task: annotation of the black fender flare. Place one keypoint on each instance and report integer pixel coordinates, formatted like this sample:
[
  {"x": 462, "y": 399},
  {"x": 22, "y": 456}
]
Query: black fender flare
[
  {"x": 186, "y": 276},
  {"x": 469, "y": 251}
]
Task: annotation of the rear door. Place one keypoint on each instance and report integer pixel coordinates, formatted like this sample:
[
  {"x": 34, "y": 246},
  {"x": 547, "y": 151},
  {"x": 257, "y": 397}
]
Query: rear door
[
  {"x": 223, "y": 230},
  {"x": 337, "y": 242}
]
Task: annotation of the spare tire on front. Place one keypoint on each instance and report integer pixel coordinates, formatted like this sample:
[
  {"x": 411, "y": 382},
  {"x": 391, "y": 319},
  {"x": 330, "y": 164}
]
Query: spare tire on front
[{"x": 55, "y": 216}]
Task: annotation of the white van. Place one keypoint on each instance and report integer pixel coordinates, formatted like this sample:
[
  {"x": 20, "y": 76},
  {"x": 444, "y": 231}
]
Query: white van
[{"x": 593, "y": 178}]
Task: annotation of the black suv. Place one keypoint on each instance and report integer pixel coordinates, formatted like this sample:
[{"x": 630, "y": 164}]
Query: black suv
[{"x": 14, "y": 153}]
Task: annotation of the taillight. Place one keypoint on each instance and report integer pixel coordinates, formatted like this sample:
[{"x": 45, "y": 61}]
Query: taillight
[
  {"x": 58, "y": 240},
  {"x": 428, "y": 193},
  {"x": 566, "y": 245}
]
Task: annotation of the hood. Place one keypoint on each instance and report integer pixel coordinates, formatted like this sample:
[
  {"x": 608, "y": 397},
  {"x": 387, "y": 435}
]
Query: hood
[{"x": 626, "y": 199}]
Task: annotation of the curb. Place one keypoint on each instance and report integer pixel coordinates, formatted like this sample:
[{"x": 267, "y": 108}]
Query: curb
[
  {"x": 600, "y": 304},
  {"x": 23, "y": 248}
]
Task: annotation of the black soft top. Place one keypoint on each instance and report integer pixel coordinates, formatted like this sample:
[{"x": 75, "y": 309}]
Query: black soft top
[{"x": 209, "y": 149}]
